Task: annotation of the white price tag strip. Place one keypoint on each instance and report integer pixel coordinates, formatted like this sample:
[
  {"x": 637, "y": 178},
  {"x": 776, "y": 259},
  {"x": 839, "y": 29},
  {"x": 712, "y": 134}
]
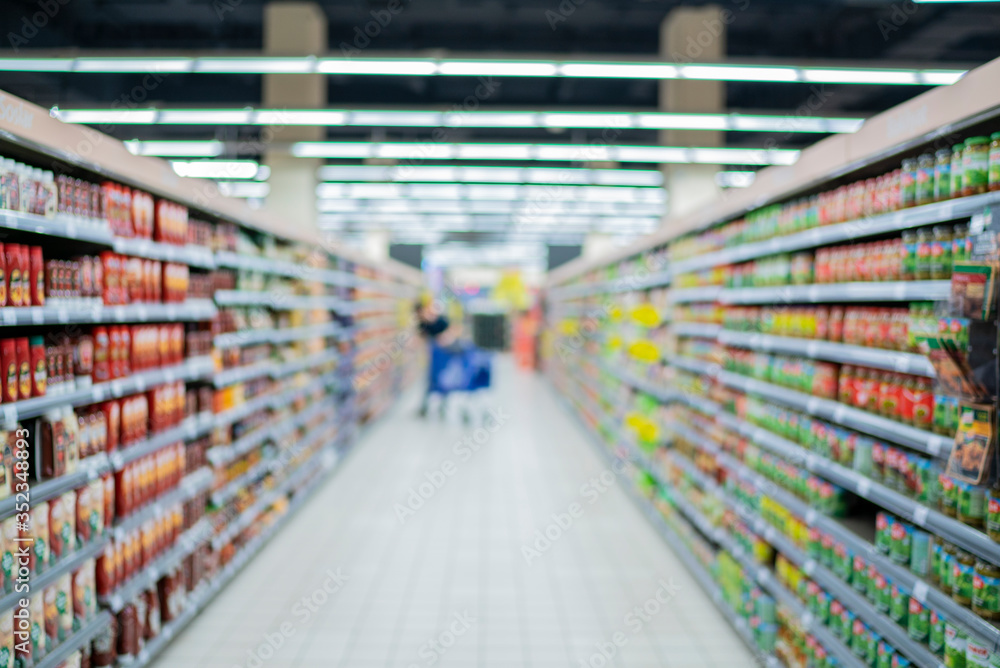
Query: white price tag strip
[
  {"x": 812, "y": 406},
  {"x": 807, "y": 621},
  {"x": 920, "y": 591},
  {"x": 839, "y": 414},
  {"x": 920, "y": 515},
  {"x": 9, "y": 417},
  {"x": 97, "y": 393},
  {"x": 809, "y": 567},
  {"x": 9, "y": 316},
  {"x": 62, "y": 315},
  {"x": 140, "y": 383},
  {"x": 37, "y": 316},
  {"x": 864, "y": 486},
  {"x": 811, "y": 517},
  {"x": 763, "y": 575},
  {"x": 934, "y": 445}
]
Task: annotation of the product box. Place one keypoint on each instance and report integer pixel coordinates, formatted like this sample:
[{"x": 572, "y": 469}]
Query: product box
[{"x": 974, "y": 443}]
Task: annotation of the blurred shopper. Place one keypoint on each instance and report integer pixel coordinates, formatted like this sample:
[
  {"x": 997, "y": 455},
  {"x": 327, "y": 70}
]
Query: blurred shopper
[{"x": 437, "y": 331}]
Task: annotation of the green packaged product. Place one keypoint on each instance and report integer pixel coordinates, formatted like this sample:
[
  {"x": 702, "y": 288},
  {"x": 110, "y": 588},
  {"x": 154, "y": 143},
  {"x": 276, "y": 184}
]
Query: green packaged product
[
  {"x": 908, "y": 183},
  {"x": 859, "y": 574},
  {"x": 962, "y": 575},
  {"x": 954, "y": 646},
  {"x": 942, "y": 174},
  {"x": 993, "y": 512},
  {"x": 935, "y": 639},
  {"x": 977, "y": 654},
  {"x": 921, "y": 552},
  {"x": 885, "y": 653},
  {"x": 918, "y": 621},
  {"x": 901, "y": 536},
  {"x": 883, "y": 593},
  {"x": 986, "y": 590},
  {"x": 949, "y": 495},
  {"x": 871, "y": 655},
  {"x": 957, "y": 169},
  {"x": 971, "y": 503},
  {"x": 883, "y": 532},
  {"x": 975, "y": 166},
  {"x": 899, "y": 604}
]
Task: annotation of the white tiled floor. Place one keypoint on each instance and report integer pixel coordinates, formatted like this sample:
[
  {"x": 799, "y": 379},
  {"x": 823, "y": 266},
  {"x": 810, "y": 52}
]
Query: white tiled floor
[{"x": 459, "y": 557}]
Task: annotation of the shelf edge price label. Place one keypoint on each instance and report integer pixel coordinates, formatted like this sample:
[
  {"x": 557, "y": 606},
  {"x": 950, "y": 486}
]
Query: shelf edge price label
[
  {"x": 9, "y": 417},
  {"x": 9, "y": 316},
  {"x": 37, "y": 316},
  {"x": 920, "y": 515},
  {"x": 920, "y": 591}
]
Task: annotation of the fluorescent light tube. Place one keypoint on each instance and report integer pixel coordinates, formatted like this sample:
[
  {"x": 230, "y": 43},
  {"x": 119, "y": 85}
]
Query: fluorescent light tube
[
  {"x": 735, "y": 179},
  {"x": 169, "y": 149},
  {"x": 838, "y": 75},
  {"x": 940, "y": 77},
  {"x": 491, "y": 119},
  {"x": 486, "y": 68},
  {"x": 204, "y": 117},
  {"x": 388, "y": 66},
  {"x": 157, "y": 65},
  {"x": 216, "y": 169},
  {"x": 739, "y": 73},
  {"x": 667, "y": 121},
  {"x": 322, "y": 149},
  {"x": 586, "y": 120},
  {"x": 420, "y": 119},
  {"x": 619, "y": 70},
  {"x": 493, "y": 151},
  {"x": 36, "y": 64},
  {"x": 325, "y": 117},
  {"x": 107, "y": 116},
  {"x": 256, "y": 65}
]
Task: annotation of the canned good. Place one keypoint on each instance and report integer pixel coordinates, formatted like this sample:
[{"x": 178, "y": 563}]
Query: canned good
[
  {"x": 971, "y": 503},
  {"x": 986, "y": 590},
  {"x": 883, "y": 532},
  {"x": 993, "y": 513},
  {"x": 963, "y": 574},
  {"x": 949, "y": 495},
  {"x": 885, "y": 654},
  {"x": 859, "y": 577},
  {"x": 883, "y": 593}
]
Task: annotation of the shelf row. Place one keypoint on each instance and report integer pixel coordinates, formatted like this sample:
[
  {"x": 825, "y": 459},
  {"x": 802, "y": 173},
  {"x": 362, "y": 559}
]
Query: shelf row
[
  {"x": 273, "y": 368},
  {"x": 624, "y": 284},
  {"x": 761, "y": 575},
  {"x": 221, "y": 455},
  {"x": 84, "y": 311},
  {"x": 819, "y": 293},
  {"x": 194, "y": 368},
  {"x": 251, "y": 337},
  {"x": 279, "y": 301}
]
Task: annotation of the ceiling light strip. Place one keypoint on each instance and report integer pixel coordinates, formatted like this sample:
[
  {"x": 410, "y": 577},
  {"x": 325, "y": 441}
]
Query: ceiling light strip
[{"x": 479, "y": 68}]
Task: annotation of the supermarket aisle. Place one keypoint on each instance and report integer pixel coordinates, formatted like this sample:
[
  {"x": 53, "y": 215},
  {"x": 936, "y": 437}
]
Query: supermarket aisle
[{"x": 451, "y": 585}]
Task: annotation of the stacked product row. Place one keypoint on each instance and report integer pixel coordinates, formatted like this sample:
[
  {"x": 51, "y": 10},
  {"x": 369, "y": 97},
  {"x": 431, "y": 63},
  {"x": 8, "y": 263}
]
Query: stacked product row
[
  {"x": 174, "y": 383},
  {"x": 808, "y": 397}
]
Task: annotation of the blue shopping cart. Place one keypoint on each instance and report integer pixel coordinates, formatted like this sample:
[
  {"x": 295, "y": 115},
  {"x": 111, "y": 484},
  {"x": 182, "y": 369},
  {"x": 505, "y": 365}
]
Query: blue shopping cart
[{"x": 461, "y": 368}]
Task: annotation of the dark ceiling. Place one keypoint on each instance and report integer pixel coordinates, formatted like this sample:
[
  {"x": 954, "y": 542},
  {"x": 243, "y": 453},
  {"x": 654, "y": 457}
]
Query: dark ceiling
[{"x": 875, "y": 32}]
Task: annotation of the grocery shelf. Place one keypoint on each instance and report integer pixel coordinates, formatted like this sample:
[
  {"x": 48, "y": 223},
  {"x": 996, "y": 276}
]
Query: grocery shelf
[
  {"x": 700, "y": 329},
  {"x": 201, "y": 597},
  {"x": 897, "y": 221},
  {"x": 926, "y": 442},
  {"x": 87, "y": 470},
  {"x": 255, "y": 336},
  {"x": 187, "y": 543},
  {"x": 195, "y": 256},
  {"x": 615, "y": 285},
  {"x": 302, "y": 363},
  {"x": 241, "y": 374},
  {"x": 695, "y": 366},
  {"x": 55, "y": 657},
  {"x": 890, "y": 360},
  {"x": 278, "y": 301},
  {"x": 69, "y": 563},
  {"x": 93, "y": 311},
  {"x": 192, "y": 484},
  {"x": 193, "y": 368},
  {"x": 220, "y": 496},
  {"x": 966, "y": 537},
  {"x": 191, "y": 428},
  {"x": 882, "y": 624},
  {"x": 888, "y": 291},
  {"x": 284, "y": 268},
  {"x": 958, "y": 614},
  {"x": 677, "y": 546},
  {"x": 708, "y": 293},
  {"x": 62, "y": 225}
]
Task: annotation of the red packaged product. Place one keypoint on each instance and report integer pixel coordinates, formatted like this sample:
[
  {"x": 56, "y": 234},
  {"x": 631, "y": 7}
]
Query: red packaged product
[
  {"x": 38, "y": 366},
  {"x": 23, "y": 367},
  {"x": 8, "y": 357},
  {"x": 113, "y": 413},
  {"x": 13, "y": 262},
  {"x": 37, "y": 276},
  {"x": 106, "y": 580},
  {"x": 3, "y": 276},
  {"x": 24, "y": 260},
  {"x": 125, "y": 354},
  {"x": 115, "y": 351},
  {"x": 109, "y": 500},
  {"x": 102, "y": 354}
]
